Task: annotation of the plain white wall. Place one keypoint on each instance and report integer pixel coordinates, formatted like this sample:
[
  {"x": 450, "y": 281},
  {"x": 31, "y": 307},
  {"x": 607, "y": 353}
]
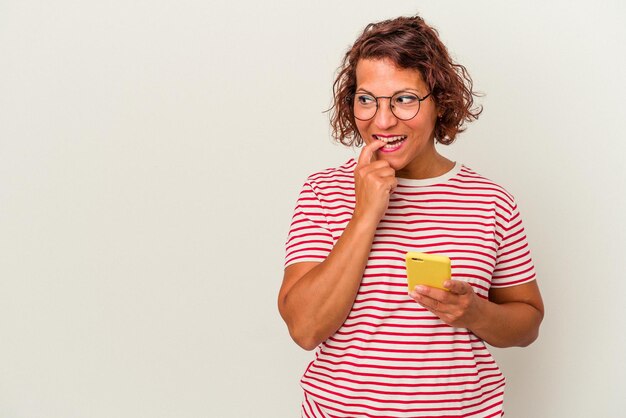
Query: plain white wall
[{"x": 151, "y": 153}]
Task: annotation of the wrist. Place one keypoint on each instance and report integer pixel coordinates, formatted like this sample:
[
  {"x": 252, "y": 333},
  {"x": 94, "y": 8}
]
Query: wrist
[
  {"x": 363, "y": 221},
  {"x": 481, "y": 316}
]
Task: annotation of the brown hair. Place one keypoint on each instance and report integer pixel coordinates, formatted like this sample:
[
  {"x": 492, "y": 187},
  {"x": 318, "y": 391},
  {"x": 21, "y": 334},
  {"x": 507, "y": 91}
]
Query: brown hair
[{"x": 411, "y": 44}]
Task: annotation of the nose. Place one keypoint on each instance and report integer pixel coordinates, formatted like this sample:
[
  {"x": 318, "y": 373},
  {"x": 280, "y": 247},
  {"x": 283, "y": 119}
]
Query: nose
[{"x": 385, "y": 118}]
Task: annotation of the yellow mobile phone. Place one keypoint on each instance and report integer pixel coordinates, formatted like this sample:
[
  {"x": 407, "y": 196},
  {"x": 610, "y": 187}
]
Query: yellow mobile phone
[{"x": 427, "y": 269}]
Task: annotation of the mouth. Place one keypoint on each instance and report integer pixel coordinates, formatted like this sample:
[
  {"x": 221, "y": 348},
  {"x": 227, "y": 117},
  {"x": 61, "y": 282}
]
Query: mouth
[{"x": 392, "y": 143}]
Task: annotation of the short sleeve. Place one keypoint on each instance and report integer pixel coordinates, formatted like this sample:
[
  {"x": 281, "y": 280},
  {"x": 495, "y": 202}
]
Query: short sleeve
[
  {"x": 514, "y": 265},
  {"x": 309, "y": 236}
]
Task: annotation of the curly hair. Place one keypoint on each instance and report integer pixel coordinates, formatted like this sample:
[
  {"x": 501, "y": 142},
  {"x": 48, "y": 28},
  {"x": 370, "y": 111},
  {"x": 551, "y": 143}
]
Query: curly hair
[{"x": 411, "y": 44}]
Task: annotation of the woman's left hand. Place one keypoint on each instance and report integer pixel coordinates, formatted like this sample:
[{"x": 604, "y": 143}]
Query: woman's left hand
[{"x": 460, "y": 307}]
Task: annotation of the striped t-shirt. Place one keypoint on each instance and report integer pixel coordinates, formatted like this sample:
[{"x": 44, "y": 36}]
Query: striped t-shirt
[{"x": 392, "y": 357}]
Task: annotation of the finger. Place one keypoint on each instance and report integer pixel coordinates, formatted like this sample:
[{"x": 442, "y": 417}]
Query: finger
[
  {"x": 432, "y": 292},
  {"x": 368, "y": 152},
  {"x": 394, "y": 184},
  {"x": 428, "y": 303},
  {"x": 378, "y": 164},
  {"x": 457, "y": 287},
  {"x": 373, "y": 168},
  {"x": 382, "y": 172},
  {"x": 441, "y": 296}
]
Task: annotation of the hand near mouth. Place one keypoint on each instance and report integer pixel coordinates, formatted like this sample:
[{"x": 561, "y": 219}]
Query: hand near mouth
[{"x": 374, "y": 181}]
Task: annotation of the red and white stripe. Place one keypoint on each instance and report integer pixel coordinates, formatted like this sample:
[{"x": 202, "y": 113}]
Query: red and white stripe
[{"x": 392, "y": 357}]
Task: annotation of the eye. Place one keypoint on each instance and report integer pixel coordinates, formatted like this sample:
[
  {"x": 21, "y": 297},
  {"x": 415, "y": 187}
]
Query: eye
[
  {"x": 405, "y": 99},
  {"x": 365, "y": 99}
]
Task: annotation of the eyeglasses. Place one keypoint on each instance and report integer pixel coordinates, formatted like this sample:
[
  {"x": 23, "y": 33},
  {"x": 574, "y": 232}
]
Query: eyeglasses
[{"x": 404, "y": 105}]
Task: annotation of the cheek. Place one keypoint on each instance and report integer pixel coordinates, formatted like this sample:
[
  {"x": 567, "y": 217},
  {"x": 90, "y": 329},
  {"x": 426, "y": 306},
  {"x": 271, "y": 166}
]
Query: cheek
[
  {"x": 421, "y": 128},
  {"x": 362, "y": 128}
]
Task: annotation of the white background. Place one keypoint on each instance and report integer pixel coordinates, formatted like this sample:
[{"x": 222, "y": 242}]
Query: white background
[{"x": 151, "y": 153}]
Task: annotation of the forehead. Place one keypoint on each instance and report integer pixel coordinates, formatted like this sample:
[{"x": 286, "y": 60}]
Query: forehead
[{"x": 383, "y": 76}]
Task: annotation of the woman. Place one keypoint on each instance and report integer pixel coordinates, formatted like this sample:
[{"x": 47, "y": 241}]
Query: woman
[{"x": 381, "y": 351}]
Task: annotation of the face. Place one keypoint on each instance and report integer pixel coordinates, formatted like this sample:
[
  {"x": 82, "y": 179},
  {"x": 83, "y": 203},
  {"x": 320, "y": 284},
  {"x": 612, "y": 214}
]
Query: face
[{"x": 411, "y": 150}]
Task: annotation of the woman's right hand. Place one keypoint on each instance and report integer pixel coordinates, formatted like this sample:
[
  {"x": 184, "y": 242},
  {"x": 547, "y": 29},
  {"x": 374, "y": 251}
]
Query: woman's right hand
[
  {"x": 315, "y": 298},
  {"x": 374, "y": 181}
]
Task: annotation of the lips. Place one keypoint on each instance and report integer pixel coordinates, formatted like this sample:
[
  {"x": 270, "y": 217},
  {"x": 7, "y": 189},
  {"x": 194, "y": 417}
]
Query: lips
[
  {"x": 390, "y": 139},
  {"x": 392, "y": 142}
]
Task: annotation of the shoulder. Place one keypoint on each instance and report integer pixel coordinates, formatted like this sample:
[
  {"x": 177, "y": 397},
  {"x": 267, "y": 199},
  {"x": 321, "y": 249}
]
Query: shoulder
[
  {"x": 470, "y": 181},
  {"x": 340, "y": 177}
]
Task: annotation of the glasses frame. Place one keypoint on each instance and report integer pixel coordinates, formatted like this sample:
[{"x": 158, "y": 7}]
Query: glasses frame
[{"x": 391, "y": 106}]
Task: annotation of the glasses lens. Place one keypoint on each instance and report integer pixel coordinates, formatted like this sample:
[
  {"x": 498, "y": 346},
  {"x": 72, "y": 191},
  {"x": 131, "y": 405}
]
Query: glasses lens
[
  {"x": 405, "y": 105},
  {"x": 364, "y": 106}
]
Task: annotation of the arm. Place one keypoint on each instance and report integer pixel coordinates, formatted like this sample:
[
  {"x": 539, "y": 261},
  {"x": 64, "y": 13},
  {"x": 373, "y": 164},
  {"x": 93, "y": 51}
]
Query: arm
[
  {"x": 511, "y": 316},
  {"x": 315, "y": 298}
]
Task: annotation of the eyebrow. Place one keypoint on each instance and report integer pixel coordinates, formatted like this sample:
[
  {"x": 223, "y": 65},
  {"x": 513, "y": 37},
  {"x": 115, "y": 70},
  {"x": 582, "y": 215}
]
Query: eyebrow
[{"x": 409, "y": 89}]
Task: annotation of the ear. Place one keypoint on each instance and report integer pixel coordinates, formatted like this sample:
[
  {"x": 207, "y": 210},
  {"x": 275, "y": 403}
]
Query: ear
[{"x": 439, "y": 110}]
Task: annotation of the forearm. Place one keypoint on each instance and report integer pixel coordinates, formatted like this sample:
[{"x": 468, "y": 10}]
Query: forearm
[
  {"x": 319, "y": 302},
  {"x": 508, "y": 324}
]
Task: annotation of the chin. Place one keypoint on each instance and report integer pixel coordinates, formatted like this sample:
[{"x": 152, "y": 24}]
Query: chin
[{"x": 394, "y": 162}]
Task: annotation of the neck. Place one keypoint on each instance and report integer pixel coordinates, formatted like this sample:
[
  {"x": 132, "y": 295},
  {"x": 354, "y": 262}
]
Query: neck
[{"x": 428, "y": 166}]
